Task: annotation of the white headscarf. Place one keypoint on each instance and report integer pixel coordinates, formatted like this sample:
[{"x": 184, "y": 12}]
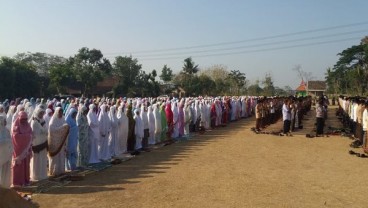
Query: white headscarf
[
  {"x": 6, "y": 146},
  {"x": 93, "y": 120},
  {"x": 104, "y": 121},
  {"x": 157, "y": 116}
]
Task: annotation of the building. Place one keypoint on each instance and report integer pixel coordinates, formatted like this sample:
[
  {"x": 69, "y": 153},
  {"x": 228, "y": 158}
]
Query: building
[
  {"x": 316, "y": 88},
  {"x": 301, "y": 91}
]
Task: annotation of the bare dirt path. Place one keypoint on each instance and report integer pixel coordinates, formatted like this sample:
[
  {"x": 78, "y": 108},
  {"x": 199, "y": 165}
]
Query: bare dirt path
[{"x": 229, "y": 167}]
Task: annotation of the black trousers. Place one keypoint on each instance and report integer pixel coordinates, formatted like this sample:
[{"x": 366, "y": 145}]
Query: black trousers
[
  {"x": 287, "y": 126},
  {"x": 258, "y": 123},
  {"x": 320, "y": 125}
]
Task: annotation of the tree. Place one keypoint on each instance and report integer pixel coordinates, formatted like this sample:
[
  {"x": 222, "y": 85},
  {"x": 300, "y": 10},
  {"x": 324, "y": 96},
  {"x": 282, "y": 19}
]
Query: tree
[
  {"x": 306, "y": 76},
  {"x": 350, "y": 73},
  {"x": 18, "y": 79},
  {"x": 255, "y": 89},
  {"x": 205, "y": 85},
  {"x": 219, "y": 74},
  {"x": 42, "y": 62},
  {"x": 237, "y": 81},
  {"x": 89, "y": 67},
  {"x": 127, "y": 70},
  {"x": 166, "y": 74},
  {"x": 190, "y": 67},
  {"x": 268, "y": 87},
  {"x": 61, "y": 76}
]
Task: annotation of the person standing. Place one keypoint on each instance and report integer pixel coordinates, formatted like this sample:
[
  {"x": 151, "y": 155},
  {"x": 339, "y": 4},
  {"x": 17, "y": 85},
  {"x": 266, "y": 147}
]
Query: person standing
[
  {"x": 22, "y": 142},
  {"x": 286, "y": 117},
  {"x": 39, "y": 146},
  {"x": 105, "y": 127},
  {"x": 58, "y": 134},
  {"x": 72, "y": 143},
  {"x": 114, "y": 140},
  {"x": 164, "y": 126},
  {"x": 93, "y": 134},
  {"x": 144, "y": 118},
  {"x": 131, "y": 130},
  {"x": 138, "y": 129},
  {"x": 83, "y": 142},
  {"x": 151, "y": 123},
  {"x": 365, "y": 126},
  {"x": 123, "y": 125},
  {"x": 158, "y": 128},
  {"x": 320, "y": 117},
  {"x": 258, "y": 115},
  {"x": 6, "y": 151}
]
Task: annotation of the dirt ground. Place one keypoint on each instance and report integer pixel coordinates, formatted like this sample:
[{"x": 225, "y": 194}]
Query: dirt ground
[{"x": 229, "y": 167}]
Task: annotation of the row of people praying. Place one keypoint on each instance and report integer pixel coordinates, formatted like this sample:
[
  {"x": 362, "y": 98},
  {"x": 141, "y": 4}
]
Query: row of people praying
[{"x": 42, "y": 138}]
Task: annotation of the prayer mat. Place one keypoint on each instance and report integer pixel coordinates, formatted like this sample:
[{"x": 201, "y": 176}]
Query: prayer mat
[{"x": 99, "y": 166}]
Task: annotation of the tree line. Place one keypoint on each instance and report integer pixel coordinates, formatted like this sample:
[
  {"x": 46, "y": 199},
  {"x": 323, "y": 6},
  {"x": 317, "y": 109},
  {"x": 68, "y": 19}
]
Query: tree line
[
  {"x": 44, "y": 75},
  {"x": 350, "y": 73}
]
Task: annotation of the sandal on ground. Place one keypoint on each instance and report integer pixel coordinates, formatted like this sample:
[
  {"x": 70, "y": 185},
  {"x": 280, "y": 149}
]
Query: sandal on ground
[{"x": 352, "y": 152}]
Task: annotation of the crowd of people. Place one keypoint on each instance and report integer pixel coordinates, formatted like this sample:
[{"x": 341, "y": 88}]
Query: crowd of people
[
  {"x": 290, "y": 109},
  {"x": 45, "y": 138},
  {"x": 354, "y": 114}
]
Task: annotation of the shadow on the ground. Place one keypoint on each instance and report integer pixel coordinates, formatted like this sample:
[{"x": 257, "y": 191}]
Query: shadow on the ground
[{"x": 148, "y": 163}]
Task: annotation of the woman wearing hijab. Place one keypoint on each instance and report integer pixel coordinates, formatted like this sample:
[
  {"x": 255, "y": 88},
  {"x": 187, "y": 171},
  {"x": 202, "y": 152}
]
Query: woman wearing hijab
[
  {"x": 169, "y": 119},
  {"x": 39, "y": 146},
  {"x": 123, "y": 125},
  {"x": 58, "y": 134},
  {"x": 2, "y": 110},
  {"x": 175, "y": 124},
  {"x": 187, "y": 118},
  {"x": 105, "y": 127},
  {"x": 145, "y": 126},
  {"x": 138, "y": 130},
  {"x": 9, "y": 117},
  {"x": 6, "y": 151},
  {"x": 151, "y": 126},
  {"x": 114, "y": 142},
  {"x": 93, "y": 134},
  {"x": 131, "y": 130},
  {"x": 47, "y": 117},
  {"x": 20, "y": 108},
  {"x": 83, "y": 142},
  {"x": 157, "y": 116},
  {"x": 181, "y": 122},
  {"x": 22, "y": 142},
  {"x": 163, "y": 123},
  {"x": 72, "y": 143}
]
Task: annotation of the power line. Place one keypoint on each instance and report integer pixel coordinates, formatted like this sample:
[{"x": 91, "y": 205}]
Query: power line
[
  {"x": 246, "y": 40},
  {"x": 254, "y": 45},
  {"x": 259, "y": 50}
]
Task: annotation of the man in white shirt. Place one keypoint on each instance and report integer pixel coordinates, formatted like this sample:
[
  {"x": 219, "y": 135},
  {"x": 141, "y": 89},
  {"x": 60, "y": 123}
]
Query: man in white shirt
[
  {"x": 365, "y": 125},
  {"x": 286, "y": 116}
]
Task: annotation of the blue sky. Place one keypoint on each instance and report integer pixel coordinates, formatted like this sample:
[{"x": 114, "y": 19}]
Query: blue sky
[{"x": 118, "y": 27}]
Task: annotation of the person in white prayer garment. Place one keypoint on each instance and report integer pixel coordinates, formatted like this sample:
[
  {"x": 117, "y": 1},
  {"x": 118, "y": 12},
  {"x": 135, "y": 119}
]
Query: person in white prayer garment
[
  {"x": 114, "y": 141},
  {"x": 39, "y": 146},
  {"x": 93, "y": 134},
  {"x": 158, "y": 127},
  {"x": 151, "y": 126},
  {"x": 138, "y": 130},
  {"x": 6, "y": 151},
  {"x": 123, "y": 123},
  {"x": 57, "y": 139},
  {"x": 105, "y": 128},
  {"x": 9, "y": 117},
  {"x": 175, "y": 111}
]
